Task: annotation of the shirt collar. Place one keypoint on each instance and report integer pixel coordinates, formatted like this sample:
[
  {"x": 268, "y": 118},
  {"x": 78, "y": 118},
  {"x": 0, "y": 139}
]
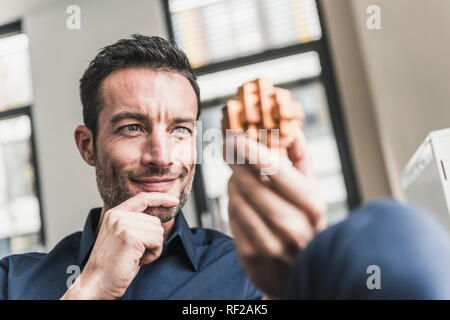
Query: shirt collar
[{"x": 180, "y": 230}]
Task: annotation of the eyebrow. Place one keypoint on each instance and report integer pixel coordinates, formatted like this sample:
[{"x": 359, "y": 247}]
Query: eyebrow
[
  {"x": 183, "y": 120},
  {"x": 127, "y": 115},
  {"x": 142, "y": 118}
]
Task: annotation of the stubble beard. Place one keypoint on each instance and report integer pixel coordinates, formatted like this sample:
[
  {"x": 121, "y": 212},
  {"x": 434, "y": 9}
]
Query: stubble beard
[{"x": 114, "y": 190}]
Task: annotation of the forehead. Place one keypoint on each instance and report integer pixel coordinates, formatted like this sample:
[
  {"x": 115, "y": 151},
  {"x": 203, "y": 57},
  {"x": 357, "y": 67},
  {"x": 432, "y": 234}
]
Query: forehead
[{"x": 159, "y": 94}]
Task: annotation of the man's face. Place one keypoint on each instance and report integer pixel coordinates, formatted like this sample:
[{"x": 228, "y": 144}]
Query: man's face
[{"x": 146, "y": 137}]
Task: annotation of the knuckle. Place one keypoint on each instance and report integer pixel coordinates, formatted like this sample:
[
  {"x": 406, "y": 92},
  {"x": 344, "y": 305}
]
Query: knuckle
[
  {"x": 248, "y": 183},
  {"x": 232, "y": 184},
  {"x": 118, "y": 224},
  {"x": 274, "y": 249},
  {"x": 296, "y": 237},
  {"x": 160, "y": 241},
  {"x": 125, "y": 235},
  {"x": 231, "y": 212},
  {"x": 299, "y": 234},
  {"x": 156, "y": 241},
  {"x": 122, "y": 233},
  {"x": 142, "y": 194},
  {"x": 234, "y": 204},
  {"x": 251, "y": 182},
  {"x": 155, "y": 220},
  {"x": 317, "y": 211},
  {"x": 253, "y": 190},
  {"x": 247, "y": 253},
  {"x": 302, "y": 240},
  {"x": 321, "y": 225},
  {"x": 322, "y": 213},
  {"x": 111, "y": 218},
  {"x": 237, "y": 200},
  {"x": 110, "y": 214}
]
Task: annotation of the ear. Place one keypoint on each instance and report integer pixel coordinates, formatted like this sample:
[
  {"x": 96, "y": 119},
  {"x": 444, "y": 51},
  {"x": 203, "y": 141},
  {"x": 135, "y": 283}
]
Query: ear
[{"x": 85, "y": 144}]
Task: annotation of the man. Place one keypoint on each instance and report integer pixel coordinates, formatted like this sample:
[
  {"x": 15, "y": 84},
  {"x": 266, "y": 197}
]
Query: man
[
  {"x": 384, "y": 250},
  {"x": 140, "y": 103}
]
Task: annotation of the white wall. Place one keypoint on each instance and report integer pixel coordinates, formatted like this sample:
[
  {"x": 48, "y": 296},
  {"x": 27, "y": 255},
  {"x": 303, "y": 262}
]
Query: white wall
[
  {"x": 408, "y": 68},
  {"x": 59, "y": 56},
  {"x": 394, "y": 83},
  {"x": 12, "y": 10}
]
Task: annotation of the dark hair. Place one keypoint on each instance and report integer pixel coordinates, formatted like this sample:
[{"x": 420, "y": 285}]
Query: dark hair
[{"x": 138, "y": 51}]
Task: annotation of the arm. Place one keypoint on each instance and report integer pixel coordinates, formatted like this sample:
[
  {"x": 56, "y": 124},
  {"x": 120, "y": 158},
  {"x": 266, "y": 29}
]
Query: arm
[{"x": 127, "y": 240}]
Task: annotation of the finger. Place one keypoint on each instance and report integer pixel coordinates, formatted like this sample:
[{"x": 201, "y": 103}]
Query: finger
[
  {"x": 288, "y": 221},
  {"x": 133, "y": 224},
  {"x": 142, "y": 200},
  {"x": 150, "y": 255},
  {"x": 289, "y": 182},
  {"x": 254, "y": 262},
  {"x": 139, "y": 218},
  {"x": 151, "y": 238},
  {"x": 298, "y": 153},
  {"x": 131, "y": 218},
  {"x": 242, "y": 242},
  {"x": 147, "y": 225},
  {"x": 250, "y": 151},
  {"x": 152, "y": 244},
  {"x": 247, "y": 223}
]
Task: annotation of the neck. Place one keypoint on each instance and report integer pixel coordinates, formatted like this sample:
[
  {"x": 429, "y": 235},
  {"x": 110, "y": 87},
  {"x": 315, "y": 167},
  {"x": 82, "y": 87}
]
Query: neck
[{"x": 167, "y": 225}]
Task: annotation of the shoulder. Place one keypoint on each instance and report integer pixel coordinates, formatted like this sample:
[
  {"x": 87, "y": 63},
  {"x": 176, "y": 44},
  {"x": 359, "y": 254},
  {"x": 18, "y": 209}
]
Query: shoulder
[
  {"x": 23, "y": 263},
  {"x": 24, "y": 258},
  {"x": 38, "y": 275},
  {"x": 19, "y": 263}
]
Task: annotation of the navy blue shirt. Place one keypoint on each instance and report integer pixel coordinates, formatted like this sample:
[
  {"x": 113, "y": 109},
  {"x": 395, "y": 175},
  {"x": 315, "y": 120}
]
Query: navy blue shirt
[{"x": 195, "y": 263}]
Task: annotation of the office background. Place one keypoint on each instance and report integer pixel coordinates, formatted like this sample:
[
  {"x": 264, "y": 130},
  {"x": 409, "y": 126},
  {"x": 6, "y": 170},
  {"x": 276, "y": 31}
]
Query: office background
[{"x": 370, "y": 96}]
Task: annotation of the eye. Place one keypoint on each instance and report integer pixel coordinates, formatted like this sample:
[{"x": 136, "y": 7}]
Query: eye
[
  {"x": 182, "y": 130},
  {"x": 131, "y": 128}
]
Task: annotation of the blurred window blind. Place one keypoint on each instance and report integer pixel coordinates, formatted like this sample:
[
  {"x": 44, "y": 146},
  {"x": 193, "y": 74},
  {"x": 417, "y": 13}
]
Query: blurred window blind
[
  {"x": 217, "y": 33},
  {"x": 15, "y": 72},
  {"x": 20, "y": 214},
  {"x": 217, "y": 30}
]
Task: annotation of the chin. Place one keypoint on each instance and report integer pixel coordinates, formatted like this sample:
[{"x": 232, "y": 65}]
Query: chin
[
  {"x": 164, "y": 214},
  {"x": 173, "y": 190}
]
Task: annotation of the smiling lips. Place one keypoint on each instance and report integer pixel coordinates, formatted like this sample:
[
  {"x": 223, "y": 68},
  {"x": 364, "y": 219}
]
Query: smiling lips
[{"x": 155, "y": 184}]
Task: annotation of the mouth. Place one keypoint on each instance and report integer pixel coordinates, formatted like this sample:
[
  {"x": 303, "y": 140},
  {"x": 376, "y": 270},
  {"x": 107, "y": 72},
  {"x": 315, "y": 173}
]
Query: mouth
[{"x": 155, "y": 184}]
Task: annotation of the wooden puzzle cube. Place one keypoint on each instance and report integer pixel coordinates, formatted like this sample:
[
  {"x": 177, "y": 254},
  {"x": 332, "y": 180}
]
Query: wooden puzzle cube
[{"x": 260, "y": 105}]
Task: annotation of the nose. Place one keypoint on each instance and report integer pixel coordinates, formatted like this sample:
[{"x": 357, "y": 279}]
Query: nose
[{"x": 157, "y": 150}]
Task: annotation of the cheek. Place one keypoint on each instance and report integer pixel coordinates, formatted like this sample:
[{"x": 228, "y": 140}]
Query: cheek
[
  {"x": 185, "y": 152},
  {"x": 123, "y": 154}
]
